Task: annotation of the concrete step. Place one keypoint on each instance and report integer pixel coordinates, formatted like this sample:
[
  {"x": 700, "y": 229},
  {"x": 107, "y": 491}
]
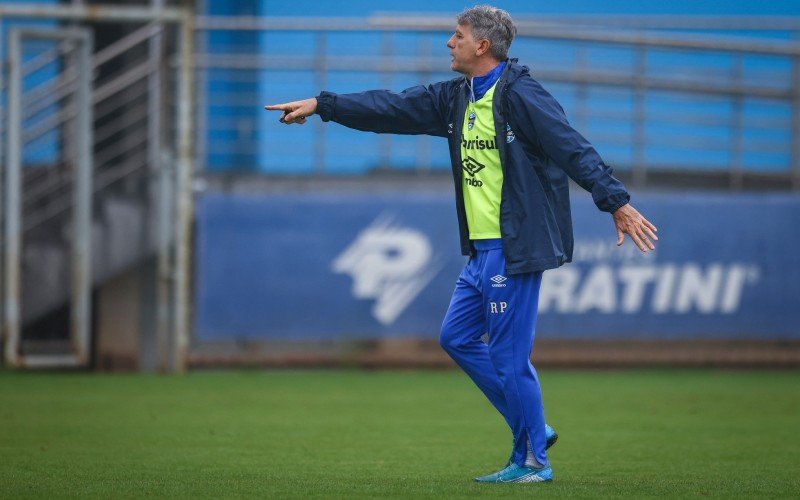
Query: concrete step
[{"x": 122, "y": 234}]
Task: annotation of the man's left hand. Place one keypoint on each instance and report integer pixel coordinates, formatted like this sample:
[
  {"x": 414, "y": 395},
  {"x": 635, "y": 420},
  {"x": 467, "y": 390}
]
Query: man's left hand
[{"x": 629, "y": 221}]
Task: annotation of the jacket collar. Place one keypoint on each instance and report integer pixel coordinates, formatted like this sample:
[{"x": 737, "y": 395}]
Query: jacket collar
[
  {"x": 481, "y": 84},
  {"x": 510, "y": 72}
]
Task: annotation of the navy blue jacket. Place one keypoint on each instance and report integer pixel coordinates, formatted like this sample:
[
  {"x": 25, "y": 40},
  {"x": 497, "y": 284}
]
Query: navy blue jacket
[{"x": 539, "y": 149}]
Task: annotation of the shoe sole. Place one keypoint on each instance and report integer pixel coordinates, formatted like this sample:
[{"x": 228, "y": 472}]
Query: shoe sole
[
  {"x": 532, "y": 479},
  {"x": 541, "y": 476}
]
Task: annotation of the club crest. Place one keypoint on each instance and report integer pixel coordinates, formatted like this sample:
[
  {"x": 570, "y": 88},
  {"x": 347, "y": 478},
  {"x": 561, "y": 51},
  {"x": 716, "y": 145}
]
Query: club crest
[{"x": 509, "y": 134}]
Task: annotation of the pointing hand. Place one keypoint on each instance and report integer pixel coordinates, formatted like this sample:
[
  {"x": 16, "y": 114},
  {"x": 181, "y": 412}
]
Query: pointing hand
[{"x": 296, "y": 111}]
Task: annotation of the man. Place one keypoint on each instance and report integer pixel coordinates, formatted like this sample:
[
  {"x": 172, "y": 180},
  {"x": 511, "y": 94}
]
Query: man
[{"x": 512, "y": 151}]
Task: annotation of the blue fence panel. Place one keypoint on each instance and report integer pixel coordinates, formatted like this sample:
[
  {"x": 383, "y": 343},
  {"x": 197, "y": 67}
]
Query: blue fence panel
[
  {"x": 693, "y": 132},
  {"x": 318, "y": 266},
  {"x": 45, "y": 149}
]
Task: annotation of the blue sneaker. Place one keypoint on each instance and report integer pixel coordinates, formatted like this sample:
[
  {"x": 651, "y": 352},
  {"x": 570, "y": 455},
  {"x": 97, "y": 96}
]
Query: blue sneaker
[
  {"x": 516, "y": 474},
  {"x": 550, "y": 435}
]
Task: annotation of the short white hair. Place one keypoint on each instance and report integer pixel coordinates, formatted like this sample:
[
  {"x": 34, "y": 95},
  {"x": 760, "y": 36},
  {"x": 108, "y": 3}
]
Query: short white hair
[{"x": 492, "y": 24}]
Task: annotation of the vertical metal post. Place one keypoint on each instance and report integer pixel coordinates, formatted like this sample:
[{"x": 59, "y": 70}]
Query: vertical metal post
[
  {"x": 154, "y": 95},
  {"x": 156, "y": 168},
  {"x": 737, "y": 125},
  {"x": 423, "y": 159},
  {"x": 13, "y": 257},
  {"x": 80, "y": 317},
  {"x": 385, "y": 140},
  {"x": 201, "y": 87},
  {"x": 321, "y": 42},
  {"x": 581, "y": 90},
  {"x": 164, "y": 214},
  {"x": 185, "y": 195},
  {"x": 795, "y": 131},
  {"x": 3, "y": 88},
  {"x": 639, "y": 117}
]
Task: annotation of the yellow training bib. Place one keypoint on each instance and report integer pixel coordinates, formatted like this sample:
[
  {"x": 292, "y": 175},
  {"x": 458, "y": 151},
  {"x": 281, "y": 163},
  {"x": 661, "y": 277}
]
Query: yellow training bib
[{"x": 482, "y": 172}]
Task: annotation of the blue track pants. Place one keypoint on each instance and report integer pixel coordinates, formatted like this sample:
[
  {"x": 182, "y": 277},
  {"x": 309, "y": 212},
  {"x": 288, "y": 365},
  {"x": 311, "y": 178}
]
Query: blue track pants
[{"x": 487, "y": 301}]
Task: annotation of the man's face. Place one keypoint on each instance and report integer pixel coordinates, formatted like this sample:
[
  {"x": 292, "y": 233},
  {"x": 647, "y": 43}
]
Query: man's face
[{"x": 463, "y": 48}]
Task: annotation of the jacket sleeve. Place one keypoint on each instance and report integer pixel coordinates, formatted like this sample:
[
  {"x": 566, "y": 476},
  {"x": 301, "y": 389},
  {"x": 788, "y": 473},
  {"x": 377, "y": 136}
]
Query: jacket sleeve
[
  {"x": 416, "y": 110},
  {"x": 538, "y": 118}
]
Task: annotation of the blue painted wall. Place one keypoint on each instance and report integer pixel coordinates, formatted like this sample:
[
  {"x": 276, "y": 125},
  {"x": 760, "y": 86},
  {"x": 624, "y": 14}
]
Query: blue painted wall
[{"x": 375, "y": 266}]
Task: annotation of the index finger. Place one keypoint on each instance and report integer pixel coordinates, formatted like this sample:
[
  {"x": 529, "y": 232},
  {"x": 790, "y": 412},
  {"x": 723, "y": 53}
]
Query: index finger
[{"x": 278, "y": 107}]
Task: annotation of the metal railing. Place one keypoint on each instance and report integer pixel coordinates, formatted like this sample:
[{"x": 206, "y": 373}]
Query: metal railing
[
  {"x": 636, "y": 72},
  {"x": 140, "y": 98}
]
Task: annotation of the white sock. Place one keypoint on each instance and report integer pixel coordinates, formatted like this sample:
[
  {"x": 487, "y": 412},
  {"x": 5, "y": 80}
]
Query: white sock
[{"x": 530, "y": 458}]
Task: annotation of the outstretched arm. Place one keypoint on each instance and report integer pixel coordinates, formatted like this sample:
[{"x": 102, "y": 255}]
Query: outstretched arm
[
  {"x": 416, "y": 110},
  {"x": 542, "y": 122}
]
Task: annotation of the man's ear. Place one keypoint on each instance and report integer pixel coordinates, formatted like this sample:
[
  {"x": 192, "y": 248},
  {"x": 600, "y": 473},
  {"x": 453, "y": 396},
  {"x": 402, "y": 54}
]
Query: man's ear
[{"x": 483, "y": 47}]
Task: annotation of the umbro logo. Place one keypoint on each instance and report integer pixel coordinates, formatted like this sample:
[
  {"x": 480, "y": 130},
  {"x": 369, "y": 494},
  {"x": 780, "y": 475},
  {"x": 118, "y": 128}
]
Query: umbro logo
[
  {"x": 498, "y": 280},
  {"x": 472, "y": 166}
]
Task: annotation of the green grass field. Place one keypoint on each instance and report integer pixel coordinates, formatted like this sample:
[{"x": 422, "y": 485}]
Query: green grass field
[{"x": 346, "y": 434}]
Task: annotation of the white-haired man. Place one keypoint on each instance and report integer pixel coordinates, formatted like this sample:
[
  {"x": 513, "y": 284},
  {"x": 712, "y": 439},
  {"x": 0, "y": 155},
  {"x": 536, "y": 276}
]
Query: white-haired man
[{"x": 512, "y": 151}]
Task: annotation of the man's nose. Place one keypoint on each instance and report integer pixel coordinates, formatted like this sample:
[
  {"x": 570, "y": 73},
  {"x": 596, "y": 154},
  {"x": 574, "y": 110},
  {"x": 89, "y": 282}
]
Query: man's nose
[{"x": 449, "y": 43}]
